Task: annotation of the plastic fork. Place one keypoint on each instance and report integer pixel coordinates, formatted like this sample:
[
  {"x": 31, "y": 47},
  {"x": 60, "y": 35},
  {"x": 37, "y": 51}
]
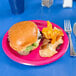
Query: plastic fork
[{"x": 67, "y": 28}]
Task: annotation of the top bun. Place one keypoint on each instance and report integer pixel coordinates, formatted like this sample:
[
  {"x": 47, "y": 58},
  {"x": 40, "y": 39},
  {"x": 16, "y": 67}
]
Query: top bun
[{"x": 22, "y": 34}]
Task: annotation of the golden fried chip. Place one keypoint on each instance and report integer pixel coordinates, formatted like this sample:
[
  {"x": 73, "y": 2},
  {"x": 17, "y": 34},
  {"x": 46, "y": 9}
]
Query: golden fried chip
[{"x": 50, "y": 33}]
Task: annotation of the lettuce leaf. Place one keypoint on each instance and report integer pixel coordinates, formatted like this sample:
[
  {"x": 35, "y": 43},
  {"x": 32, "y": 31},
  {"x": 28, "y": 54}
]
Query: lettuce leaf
[{"x": 29, "y": 48}]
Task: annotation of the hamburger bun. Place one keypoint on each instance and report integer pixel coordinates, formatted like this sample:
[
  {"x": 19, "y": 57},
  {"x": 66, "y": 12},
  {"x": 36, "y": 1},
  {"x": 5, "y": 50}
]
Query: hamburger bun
[{"x": 22, "y": 34}]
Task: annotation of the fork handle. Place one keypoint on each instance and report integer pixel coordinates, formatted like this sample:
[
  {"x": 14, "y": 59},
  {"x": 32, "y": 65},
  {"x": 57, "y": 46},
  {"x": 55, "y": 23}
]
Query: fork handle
[{"x": 72, "y": 52}]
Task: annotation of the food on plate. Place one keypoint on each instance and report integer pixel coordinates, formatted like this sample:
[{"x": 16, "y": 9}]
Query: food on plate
[
  {"x": 49, "y": 49},
  {"x": 24, "y": 37},
  {"x": 52, "y": 33},
  {"x": 52, "y": 39}
]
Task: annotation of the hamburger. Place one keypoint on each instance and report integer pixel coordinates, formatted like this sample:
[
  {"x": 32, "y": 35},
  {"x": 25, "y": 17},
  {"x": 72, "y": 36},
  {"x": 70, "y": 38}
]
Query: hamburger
[{"x": 24, "y": 37}]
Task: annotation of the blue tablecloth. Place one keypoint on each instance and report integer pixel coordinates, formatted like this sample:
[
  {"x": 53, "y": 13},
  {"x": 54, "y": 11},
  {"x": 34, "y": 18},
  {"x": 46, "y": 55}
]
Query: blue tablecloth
[{"x": 65, "y": 66}]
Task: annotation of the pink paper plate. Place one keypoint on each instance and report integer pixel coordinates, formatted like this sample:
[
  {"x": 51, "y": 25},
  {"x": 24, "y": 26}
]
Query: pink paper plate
[{"x": 33, "y": 58}]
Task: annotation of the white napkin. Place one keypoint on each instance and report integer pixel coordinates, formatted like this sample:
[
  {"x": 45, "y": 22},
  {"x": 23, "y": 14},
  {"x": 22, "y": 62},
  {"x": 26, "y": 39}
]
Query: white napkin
[{"x": 67, "y": 3}]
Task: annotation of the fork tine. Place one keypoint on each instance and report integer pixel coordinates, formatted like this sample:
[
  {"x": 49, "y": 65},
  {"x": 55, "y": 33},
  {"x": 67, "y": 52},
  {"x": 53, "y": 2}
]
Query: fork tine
[
  {"x": 67, "y": 25},
  {"x": 64, "y": 24}
]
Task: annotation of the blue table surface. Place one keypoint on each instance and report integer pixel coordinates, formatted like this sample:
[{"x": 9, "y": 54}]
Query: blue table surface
[{"x": 65, "y": 66}]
